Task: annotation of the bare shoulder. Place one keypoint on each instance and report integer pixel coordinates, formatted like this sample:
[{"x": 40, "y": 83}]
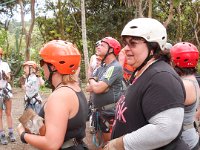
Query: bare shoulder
[{"x": 64, "y": 93}]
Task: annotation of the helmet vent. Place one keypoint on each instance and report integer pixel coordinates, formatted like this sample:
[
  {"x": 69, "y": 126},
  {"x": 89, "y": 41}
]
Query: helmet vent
[
  {"x": 177, "y": 57},
  {"x": 133, "y": 27},
  {"x": 61, "y": 62},
  {"x": 185, "y": 60},
  {"x": 71, "y": 66},
  {"x": 163, "y": 37}
]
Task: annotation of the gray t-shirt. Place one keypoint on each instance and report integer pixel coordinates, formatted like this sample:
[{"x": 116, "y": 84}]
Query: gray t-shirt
[{"x": 112, "y": 75}]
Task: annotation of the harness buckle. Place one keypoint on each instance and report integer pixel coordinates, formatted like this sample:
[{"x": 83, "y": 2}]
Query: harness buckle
[
  {"x": 75, "y": 142},
  {"x": 69, "y": 143}
]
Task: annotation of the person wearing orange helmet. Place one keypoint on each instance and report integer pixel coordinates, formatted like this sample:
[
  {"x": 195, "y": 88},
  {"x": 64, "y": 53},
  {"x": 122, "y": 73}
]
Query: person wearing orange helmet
[
  {"x": 65, "y": 111},
  {"x": 5, "y": 100},
  {"x": 127, "y": 69},
  {"x": 32, "y": 85},
  {"x": 106, "y": 85},
  {"x": 184, "y": 58}
]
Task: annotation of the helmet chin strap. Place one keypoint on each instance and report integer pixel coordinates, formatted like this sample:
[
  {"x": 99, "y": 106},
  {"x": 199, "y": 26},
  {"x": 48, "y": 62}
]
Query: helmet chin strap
[
  {"x": 49, "y": 81},
  {"x": 108, "y": 53},
  {"x": 149, "y": 56},
  {"x": 29, "y": 73}
]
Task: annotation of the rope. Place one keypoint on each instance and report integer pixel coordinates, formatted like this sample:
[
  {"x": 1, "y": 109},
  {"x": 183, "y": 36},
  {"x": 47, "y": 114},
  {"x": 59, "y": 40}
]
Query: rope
[{"x": 97, "y": 137}]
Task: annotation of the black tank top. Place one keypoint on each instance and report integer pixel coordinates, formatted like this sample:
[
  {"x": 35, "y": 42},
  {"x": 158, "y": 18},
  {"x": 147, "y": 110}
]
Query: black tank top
[{"x": 76, "y": 125}]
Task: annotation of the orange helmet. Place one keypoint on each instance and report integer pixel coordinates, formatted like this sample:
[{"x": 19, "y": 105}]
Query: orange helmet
[
  {"x": 30, "y": 63},
  {"x": 63, "y": 55},
  {"x": 1, "y": 51}
]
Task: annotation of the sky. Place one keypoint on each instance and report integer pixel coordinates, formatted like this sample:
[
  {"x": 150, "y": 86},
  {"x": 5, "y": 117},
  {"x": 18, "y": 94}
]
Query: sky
[{"x": 40, "y": 5}]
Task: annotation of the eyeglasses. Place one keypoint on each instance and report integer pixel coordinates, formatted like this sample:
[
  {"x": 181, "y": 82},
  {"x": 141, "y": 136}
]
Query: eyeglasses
[
  {"x": 42, "y": 62},
  {"x": 132, "y": 43}
]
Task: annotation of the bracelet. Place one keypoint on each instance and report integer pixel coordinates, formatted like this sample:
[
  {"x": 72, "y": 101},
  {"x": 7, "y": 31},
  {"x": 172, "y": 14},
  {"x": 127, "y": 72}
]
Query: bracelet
[
  {"x": 93, "y": 78},
  {"x": 22, "y": 137}
]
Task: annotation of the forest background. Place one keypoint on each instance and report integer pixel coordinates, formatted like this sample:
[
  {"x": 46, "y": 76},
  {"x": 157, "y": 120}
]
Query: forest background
[{"x": 84, "y": 22}]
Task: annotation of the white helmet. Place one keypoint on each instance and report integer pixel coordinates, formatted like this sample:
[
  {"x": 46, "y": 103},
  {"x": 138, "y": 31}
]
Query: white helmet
[
  {"x": 97, "y": 43},
  {"x": 168, "y": 46},
  {"x": 149, "y": 29}
]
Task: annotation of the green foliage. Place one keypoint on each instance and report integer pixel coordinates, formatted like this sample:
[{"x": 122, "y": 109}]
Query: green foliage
[
  {"x": 106, "y": 18},
  {"x": 3, "y": 35}
]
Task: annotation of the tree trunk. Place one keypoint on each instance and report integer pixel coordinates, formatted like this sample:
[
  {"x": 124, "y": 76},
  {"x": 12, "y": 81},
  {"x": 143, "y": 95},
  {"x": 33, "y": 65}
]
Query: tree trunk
[
  {"x": 84, "y": 37},
  {"x": 27, "y": 34},
  {"x": 180, "y": 33},
  {"x": 171, "y": 12},
  {"x": 150, "y": 9},
  {"x": 60, "y": 18},
  {"x": 139, "y": 10},
  {"x": 196, "y": 25}
]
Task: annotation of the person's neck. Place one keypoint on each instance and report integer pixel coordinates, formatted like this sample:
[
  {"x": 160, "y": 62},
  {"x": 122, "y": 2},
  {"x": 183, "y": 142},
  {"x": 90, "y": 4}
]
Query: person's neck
[
  {"x": 189, "y": 76},
  {"x": 56, "y": 79},
  {"x": 110, "y": 59},
  {"x": 149, "y": 63}
]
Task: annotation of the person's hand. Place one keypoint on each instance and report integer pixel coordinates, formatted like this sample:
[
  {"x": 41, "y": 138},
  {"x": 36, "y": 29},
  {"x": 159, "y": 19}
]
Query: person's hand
[
  {"x": 20, "y": 129},
  {"x": 88, "y": 88},
  {"x": 5, "y": 76},
  {"x": 42, "y": 130},
  {"x": 197, "y": 115},
  {"x": 115, "y": 144}
]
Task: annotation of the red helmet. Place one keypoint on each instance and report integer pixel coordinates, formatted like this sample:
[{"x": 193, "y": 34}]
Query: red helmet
[
  {"x": 184, "y": 55},
  {"x": 112, "y": 43},
  {"x": 1, "y": 51},
  {"x": 63, "y": 55},
  {"x": 30, "y": 63}
]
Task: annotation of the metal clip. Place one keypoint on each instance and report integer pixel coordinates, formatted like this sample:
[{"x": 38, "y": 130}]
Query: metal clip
[{"x": 75, "y": 141}]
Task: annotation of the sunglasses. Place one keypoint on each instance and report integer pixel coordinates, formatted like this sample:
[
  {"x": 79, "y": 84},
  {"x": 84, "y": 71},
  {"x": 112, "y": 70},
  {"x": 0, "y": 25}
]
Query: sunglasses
[{"x": 133, "y": 42}]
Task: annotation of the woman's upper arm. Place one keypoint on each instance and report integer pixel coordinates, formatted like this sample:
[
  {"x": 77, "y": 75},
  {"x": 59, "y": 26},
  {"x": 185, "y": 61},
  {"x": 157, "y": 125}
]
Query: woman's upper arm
[{"x": 56, "y": 119}]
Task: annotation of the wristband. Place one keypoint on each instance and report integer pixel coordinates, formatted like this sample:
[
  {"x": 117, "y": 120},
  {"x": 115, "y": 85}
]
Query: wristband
[
  {"x": 93, "y": 78},
  {"x": 22, "y": 137}
]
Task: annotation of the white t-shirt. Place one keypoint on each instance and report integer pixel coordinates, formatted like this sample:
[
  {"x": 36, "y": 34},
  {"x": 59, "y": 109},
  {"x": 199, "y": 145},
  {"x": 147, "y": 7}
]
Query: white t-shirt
[
  {"x": 32, "y": 85},
  {"x": 4, "y": 67},
  {"x": 93, "y": 62}
]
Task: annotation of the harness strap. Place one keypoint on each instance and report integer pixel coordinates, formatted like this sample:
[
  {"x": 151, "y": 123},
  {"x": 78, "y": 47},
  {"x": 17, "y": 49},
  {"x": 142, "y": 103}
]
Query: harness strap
[
  {"x": 109, "y": 106},
  {"x": 65, "y": 86},
  {"x": 34, "y": 96},
  {"x": 29, "y": 100},
  {"x": 71, "y": 142},
  {"x": 188, "y": 126}
]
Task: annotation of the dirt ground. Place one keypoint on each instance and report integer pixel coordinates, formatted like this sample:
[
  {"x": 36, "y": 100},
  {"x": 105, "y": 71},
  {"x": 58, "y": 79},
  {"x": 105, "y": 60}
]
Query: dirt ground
[{"x": 17, "y": 110}]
